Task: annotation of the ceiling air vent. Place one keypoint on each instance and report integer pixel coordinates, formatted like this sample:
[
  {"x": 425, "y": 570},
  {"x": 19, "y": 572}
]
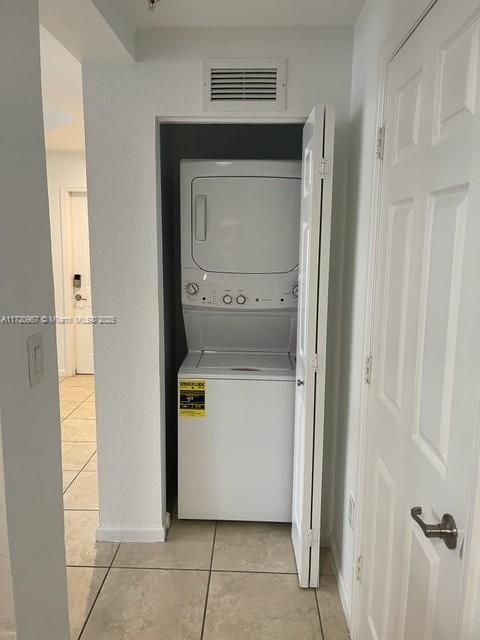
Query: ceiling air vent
[{"x": 244, "y": 85}]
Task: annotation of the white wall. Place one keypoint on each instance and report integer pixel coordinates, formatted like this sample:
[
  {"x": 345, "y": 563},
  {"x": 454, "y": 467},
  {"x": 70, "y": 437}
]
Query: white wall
[
  {"x": 30, "y": 425},
  {"x": 122, "y": 103},
  {"x": 64, "y": 171},
  {"x": 378, "y": 18},
  {"x": 7, "y": 610}
]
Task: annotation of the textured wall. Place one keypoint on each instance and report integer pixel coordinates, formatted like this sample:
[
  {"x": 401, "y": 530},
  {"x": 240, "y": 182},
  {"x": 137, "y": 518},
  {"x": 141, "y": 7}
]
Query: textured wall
[
  {"x": 122, "y": 103},
  {"x": 30, "y": 424}
]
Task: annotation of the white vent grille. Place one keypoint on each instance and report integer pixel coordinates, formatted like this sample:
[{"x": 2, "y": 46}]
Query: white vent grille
[
  {"x": 243, "y": 84},
  {"x": 238, "y": 85}
]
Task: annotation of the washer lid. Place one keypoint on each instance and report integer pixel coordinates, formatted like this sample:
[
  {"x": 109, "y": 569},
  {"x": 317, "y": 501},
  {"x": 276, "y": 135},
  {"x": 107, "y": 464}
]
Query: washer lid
[
  {"x": 213, "y": 330},
  {"x": 246, "y": 361}
]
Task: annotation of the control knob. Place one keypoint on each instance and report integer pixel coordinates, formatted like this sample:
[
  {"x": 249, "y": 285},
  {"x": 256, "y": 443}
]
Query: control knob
[
  {"x": 241, "y": 299},
  {"x": 227, "y": 299},
  {"x": 192, "y": 288}
]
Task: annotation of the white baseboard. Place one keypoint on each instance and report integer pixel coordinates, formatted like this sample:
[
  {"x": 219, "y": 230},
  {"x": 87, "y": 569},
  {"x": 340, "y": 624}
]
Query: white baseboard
[
  {"x": 341, "y": 584},
  {"x": 130, "y": 534}
]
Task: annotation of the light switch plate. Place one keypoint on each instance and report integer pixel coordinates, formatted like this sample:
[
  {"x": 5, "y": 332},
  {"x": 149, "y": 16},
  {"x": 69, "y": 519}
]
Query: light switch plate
[{"x": 36, "y": 369}]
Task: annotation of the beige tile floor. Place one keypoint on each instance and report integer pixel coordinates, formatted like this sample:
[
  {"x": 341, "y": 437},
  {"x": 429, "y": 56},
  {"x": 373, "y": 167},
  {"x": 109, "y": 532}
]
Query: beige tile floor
[{"x": 210, "y": 581}]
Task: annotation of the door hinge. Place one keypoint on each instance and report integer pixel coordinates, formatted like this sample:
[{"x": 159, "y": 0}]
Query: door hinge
[
  {"x": 380, "y": 146},
  {"x": 318, "y": 363},
  {"x": 311, "y": 537},
  {"x": 368, "y": 369},
  {"x": 324, "y": 168},
  {"x": 359, "y": 569}
]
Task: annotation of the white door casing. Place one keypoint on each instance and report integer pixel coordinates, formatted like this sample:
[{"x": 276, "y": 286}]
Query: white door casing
[
  {"x": 424, "y": 398},
  {"x": 316, "y": 194},
  {"x": 81, "y": 265}
]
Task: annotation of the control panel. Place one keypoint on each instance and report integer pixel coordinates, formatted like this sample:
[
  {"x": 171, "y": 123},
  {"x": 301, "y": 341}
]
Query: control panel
[{"x": 237, "y": 291}]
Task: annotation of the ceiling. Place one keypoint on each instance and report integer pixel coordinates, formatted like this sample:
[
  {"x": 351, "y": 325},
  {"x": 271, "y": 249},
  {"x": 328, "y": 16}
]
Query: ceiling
[
  {"x": 244, "y": 13},
  {"x": 62, "y": 96}
]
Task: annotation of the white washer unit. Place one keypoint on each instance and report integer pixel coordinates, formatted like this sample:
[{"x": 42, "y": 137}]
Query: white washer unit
[{"x": 240, "y": 230}]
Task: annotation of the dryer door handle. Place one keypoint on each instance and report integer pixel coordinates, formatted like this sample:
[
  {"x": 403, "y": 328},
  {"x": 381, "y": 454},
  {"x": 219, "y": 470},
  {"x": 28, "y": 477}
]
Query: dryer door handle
[{"x": 200, "y": 218}]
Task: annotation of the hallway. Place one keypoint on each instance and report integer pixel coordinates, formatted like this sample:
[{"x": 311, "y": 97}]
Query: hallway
[{"x": 217, "y": 581}]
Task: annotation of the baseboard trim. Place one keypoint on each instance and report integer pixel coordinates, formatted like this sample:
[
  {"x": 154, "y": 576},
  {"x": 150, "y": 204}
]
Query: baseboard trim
[
  {"x": 130, "y": 534},
  {"x": 341, "y": 584}
]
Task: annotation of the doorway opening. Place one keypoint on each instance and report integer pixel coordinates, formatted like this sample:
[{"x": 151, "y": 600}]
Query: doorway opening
[
  {"x": 223, "y": 230},
  {"x": 76, "y": 379},
  {"x": 69, "y": 229},
  {"x": 212, "y": 142}
]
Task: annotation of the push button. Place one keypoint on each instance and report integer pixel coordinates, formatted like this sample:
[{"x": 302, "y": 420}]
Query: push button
[
  {"x": 227, "y": 299},
  {"x": 241, "y": 299}
]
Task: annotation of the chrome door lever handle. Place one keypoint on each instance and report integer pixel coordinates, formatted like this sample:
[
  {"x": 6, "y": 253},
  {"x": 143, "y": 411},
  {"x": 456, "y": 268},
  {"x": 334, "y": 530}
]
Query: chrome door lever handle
[
  {"x": 446, "y": 530},
  {"x": 300, "y": 383},
  {"x": 78, "y": 297}
]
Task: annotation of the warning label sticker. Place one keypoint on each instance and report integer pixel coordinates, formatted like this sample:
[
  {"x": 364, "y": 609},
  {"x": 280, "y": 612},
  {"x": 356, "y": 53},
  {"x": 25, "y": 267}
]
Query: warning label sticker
[{"x": 192, "y": 398}]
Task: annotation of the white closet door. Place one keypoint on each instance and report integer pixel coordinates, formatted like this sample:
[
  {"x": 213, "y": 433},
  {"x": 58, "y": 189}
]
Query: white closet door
[
  {"x": 316, "y": 199},
  {"x": 423, "y": 406}
]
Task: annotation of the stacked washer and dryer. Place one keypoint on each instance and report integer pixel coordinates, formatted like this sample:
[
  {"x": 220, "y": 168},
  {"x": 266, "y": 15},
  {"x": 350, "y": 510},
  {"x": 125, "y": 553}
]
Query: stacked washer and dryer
[{"x": 236, "y": 387}]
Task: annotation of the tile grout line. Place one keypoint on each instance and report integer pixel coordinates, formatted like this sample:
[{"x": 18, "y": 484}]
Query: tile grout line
[
  {"x": 208, "y": 581},
  {"x": 319, "y": 614},
  {"x": 62, "y": 441},
  {"x": 73, "y": 410},
  {"x": 79, "y": 472},
  {"x": 90, "y": 611},
  {"x": 241, "y": 571},
  {"x": 77, "y": 407},
  {"x": 65, "y": 378},
  {"x": 257, "y": 572}
]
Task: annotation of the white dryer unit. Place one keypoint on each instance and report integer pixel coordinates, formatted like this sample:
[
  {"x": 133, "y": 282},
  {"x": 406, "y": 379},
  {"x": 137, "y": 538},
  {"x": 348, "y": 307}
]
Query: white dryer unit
[{"x": 240, "y": 231}]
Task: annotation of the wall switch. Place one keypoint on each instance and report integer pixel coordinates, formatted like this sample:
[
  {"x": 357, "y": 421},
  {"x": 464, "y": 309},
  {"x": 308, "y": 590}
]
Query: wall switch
[
  {"x": 351, "y": 512},
  {"x": 36, "y": 370}
]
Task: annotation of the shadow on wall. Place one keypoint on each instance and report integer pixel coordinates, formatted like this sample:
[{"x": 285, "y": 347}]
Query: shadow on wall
[
  {"x": 350, "y": 382},
  {"x": 7, "y": 615}
]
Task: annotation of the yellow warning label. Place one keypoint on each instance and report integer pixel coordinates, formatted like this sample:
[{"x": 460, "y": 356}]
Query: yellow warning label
[{"x": 192, "y": 398}]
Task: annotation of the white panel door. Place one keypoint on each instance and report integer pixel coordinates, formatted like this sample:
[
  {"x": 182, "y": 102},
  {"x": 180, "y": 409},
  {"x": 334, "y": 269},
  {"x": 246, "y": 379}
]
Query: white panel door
[
  {"x": 82, "y": 296},
  {"x": 315, "y": 223},
  {"x": 424, "y": 395}
]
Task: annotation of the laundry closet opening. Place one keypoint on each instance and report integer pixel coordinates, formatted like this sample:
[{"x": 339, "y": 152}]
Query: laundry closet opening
[{"x": 180, "y": 142}]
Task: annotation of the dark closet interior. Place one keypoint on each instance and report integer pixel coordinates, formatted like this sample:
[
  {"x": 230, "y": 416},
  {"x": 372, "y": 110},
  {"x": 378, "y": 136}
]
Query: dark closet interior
[{"x": 212, "y": 142}]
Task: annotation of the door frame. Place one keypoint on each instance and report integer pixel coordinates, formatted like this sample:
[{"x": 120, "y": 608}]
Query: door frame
[
  {"x": 414, "y": 14},
  {"x": 198, "y": 119},
  {"x": 66, "y": 239}
]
